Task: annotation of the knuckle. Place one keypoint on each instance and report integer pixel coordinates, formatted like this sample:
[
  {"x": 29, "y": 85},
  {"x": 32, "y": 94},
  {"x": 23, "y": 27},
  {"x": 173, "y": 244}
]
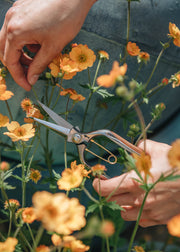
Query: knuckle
[{"x": 10, "y": 13}]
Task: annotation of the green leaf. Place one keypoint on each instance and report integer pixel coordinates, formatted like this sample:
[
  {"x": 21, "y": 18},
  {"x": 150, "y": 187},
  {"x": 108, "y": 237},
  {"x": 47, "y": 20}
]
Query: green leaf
[
  {"x": 92, "y": 208},
  {"x": 57, "y": 176},
  {"x": 86, "y": 86},
  {"x": 113, "y": 206},
  {"x": 104, "y": 93}
]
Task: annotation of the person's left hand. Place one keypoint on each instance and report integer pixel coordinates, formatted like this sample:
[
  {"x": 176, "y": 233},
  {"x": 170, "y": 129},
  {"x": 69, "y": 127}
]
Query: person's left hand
[{"x": 162, "y": 203}]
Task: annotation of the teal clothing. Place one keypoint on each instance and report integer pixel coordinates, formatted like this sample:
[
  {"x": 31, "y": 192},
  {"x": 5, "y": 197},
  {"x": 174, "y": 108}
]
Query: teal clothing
[{"x": 105, "y": 29}]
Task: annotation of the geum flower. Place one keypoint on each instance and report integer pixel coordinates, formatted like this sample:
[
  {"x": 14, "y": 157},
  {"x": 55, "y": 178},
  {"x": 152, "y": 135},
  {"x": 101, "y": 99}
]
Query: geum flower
[
  {"x": 174, "y": 154},
  {"x": 4, "y": 120},
  {"x": 83, "y": 56},
  {"x": 73, "y": 95},
  {"x": 28, "y": 215},
  {"x": 8, "y": 245},
  {"x": 35, "y": 175},
  {"x": 108, "y": 80},
  {"x": 174, "y": 33},
  {"x": 26, "y": 104},
  {"x": 143, "y": 163},
  {"x": 17, "y": 132},
  {"x": 173, "y": 226},
  {"x": 72, "y": 177},
  {"x": 132, "y": 49},
  {"x": 4, "y": 94},
  {"x": 58, "y": 213}
]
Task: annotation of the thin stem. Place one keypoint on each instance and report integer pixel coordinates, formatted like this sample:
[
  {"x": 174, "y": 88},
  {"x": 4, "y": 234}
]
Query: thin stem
[
  {"x": 10, "y": 222},
  {"x": 35, "y": 94},
  {"x": 128, "y": 28},
  {"x": 9, "y": 110},
  {"x": 96, "y": 73},
  {"x": 31, "y": 233},
  {"x": 138, "y": 71},
  {"x": 90, "y": 196},
  {"x": 38, "y": 238},
  {"x": 106, "y": 237},
  {"x": 23, "y": 177}
]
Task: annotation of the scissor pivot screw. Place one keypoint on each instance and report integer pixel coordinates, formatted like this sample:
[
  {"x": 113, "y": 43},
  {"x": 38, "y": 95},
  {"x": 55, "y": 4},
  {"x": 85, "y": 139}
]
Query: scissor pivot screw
[{"x": 77, "y": 138}]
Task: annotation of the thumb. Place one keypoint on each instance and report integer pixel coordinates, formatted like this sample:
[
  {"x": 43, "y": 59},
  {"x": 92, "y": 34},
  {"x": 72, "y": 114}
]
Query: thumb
[{"x": 41, "y": 60}]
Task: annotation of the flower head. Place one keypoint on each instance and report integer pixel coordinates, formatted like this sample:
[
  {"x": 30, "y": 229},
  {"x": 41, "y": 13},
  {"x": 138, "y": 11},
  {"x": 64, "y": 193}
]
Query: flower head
[
  {"x": 28, "y": 215},
  {"x": 4, "y": 166},
  {"x": 35, "y": 175},
  {"x": 72, "y": 94},
  {"x": 107, "y": 228},
  {"x": 98, "y": 169},
  {"x": 143, "y": 163},
  {"x": 4, "y": 120},
  {"x": 17, "y": 132},
  {"x": 138, "y": 249},
  {"x": 108, "y": 80},
  {"x": 83, "y": 56},
  {"x": 43, "y": 248},
  {"x": 5, "y": 94},
  {"x": 143, "y": 57},
  {"x": 8, "y": 245},
  {"x": 26, "y": 104},
  {"x": 58, "y": 213},
  {"x": 173, "y": 226},
  {"x": 176, "y": 80},
  {"x": 174, "y": 154},
  {"x": 12, "y": 203},
  {"x": 174, "y": 33},
  {"x": 103, "y": 55},
  {"x": 132, "y": 49}
]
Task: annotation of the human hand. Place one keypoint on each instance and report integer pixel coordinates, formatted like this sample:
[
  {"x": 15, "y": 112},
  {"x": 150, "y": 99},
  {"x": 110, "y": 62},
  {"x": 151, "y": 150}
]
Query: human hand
[
  {"x": 45, "y": 27},
  {"x": 162, "y": 203}
]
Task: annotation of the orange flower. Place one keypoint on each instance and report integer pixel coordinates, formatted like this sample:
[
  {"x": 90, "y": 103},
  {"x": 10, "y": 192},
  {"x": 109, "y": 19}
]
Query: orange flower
[
  {"x": 17, "y": 132},
  {"x": 28, "y": 215},
  {"x": 174, "y": 33},
  {"x": 4, "y": 166},
  {"x": 9, "y": 245},
  {"x": 13, "y": 203},
  {"x": 83, "y": 56},
  {"x": 176, "y": 82},
  {"x": 78, "y": 246},
  {"x": 34, "y": 112},
  {"x": 132, "y": 49},
  {"x": 58, "y": 213},
  {"x": 55, "y": 66},
  {"x": 143, "y": 163},
  {"x": 143, "y": 56},
  {"x": 103, "y": 54},
  {"x": 80, "y": 167},
  {"x": 98, "y": 169},
  {"x": 26, "y": 104},
  {"x": 174, "y": 154},
  {"x": 5, "y": 94},
  {"x": 138, "y": 249},
  {"x": 71, "y": 177},
  {"x": 4, "y": 120},
  {"x": 165, "y": 81},
  {"x": 72, "y": 94},
  {"x": 108, "y": 80},
  {"x": 35, "y": 175},
  {"x": 173, "y": 226},
  {"x": 107, "y": 228},
  {"x": 43, "y": 248}
]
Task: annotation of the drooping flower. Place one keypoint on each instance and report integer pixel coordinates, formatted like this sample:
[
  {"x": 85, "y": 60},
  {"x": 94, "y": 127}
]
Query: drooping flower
[
  {"x": 58, "y": 213},
  {"x": 26, "y": 104},
  {"x": 173, "y": 226},
  {"x": 83, "y": 56},
  {"x": 132, "y": 49},
  {"x": 98, "y": 169},
  {"x": 5, "y": 94},
  {"x": 174, "y": 154},
  {"x": 4, "y": 120},
  {"x": 143, "y": 57},
  {"x": 103, "y": 55},
  {"x": 143, "y": 163},
  {"x": 35, "y": 175},
  {"x": 12, "y": 203},
  {"x": 174, "y": 33},
  {"x": 107, "y": 228},
  {"x": 4, "y": 166},
  {"x": 108, "y": 80},
  {"x": 34, "y": 112},
  {"x": 72, "y": 94},
  {"x": 71, "y": 177},
  {"x": 43, "y": 248},
  {"x": 176, "y": 80},
  {"x": 28, "y": 215},
  {"x": 17, "y": 132},
  {"x": 8, "y": 245}
]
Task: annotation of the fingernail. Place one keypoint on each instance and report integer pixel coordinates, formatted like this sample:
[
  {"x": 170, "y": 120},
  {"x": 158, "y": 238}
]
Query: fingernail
[{"x": 33, "y": 79}]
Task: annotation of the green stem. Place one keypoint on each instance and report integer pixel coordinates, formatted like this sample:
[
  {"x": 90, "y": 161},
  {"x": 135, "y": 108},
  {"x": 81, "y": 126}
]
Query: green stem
[
  {"x": 90, "y": 196},
  {"x": 10, "y": 222},
  {"x": 31, "y": 233},
  {"x": 106, "y": 237},
  {"x": 23, "y": 175},
  {"x": 34, "y": 92},
  {"x": 9, "y": 110},
  {"x": 51, "y": 96},
  {"x": 38, "y": 238},
  {"x": 96, "y": 73},
  {"x": 128, "y": 28},
  {"x": 138, "y": 71}
]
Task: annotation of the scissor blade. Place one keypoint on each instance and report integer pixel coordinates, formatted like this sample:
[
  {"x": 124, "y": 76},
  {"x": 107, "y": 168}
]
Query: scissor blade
[
  {"x": 63, "y": 130},
  {"x": 58, "y": 119}
]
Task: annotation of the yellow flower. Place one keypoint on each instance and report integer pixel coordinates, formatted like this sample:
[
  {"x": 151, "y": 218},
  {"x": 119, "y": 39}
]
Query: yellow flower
[
  {"x": 78, "y": 246},
  {"x": 58, "y": 213},
  {"x": 4, "y": 166},
  {"x": 138, "y": 249},
  {"x": 107, "y": 228},
  {"x": 174, "y": 154},
  {"x": 17, "y": 132},
  {"x": 28, "y": 215},
  {"x": 9, "y": 245},
  {"x": 132, "y": 49},
  {"x": 72, "y": 94},
  {"x": 43, "y": 248},
  {"x": 71, "y": 177},
  {"x": 98, "y": 169},
  {"x": 5, "y": 94},
  {"x": 174, "y": 33},
  {"x": 83, "y": 56},
  {"x": 108, "y": 80},
  {"x": 26, "y": 104},
  {"x": 143, "y": 163},
  {"x": 13, "y": 203},
  {"x": 4, "y": 120},
  {"x": 35, "y": 175},
  {"x": 173, "y": 226}
]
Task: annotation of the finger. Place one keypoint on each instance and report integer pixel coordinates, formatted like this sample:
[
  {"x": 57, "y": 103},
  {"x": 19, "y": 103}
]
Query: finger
[
  {"x": 33, "y": 48},
  {"x": 12, "y": 56},
  {"x": 25, "y": 59},
  {"x": 2, "y": 41},
  {"x": 127, "y": 199},
  {"x": 42, "y": 59}
]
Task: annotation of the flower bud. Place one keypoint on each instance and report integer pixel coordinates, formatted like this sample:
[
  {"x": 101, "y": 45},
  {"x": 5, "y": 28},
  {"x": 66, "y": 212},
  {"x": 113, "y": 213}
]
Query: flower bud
[{"x": 4, "y": 166}]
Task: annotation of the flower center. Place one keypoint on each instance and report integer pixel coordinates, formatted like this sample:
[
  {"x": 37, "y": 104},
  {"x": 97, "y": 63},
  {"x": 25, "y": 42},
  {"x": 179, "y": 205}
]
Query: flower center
[
  {"x": 20, "y": 132},
  {"x": 82, "y": 58}
]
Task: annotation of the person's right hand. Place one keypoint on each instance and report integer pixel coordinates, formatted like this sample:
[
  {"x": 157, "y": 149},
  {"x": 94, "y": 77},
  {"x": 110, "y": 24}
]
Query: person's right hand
[{"x": 45, "y": 27}]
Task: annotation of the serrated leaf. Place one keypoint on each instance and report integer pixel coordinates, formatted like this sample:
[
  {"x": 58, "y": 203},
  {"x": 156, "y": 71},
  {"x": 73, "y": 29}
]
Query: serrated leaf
[
  {"x": 86, "y": 86},
  {"x": 91, "y": 208},
  {"x": 113, "y": 206}
]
